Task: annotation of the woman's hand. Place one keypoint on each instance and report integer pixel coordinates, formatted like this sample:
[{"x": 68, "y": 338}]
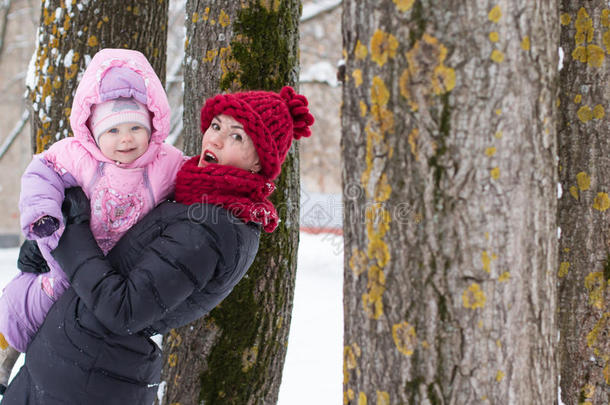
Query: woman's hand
[{"x": 76, "y": 207}]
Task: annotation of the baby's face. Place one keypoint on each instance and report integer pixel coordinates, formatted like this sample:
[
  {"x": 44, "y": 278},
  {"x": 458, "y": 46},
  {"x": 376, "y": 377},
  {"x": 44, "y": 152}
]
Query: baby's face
[
  {"x": 124, "y": 143},
  {"x": 225, "y": 142}
]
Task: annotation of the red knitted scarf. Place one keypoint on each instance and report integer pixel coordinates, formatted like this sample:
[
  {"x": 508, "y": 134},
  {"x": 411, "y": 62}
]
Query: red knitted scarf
[{"x": 242, "y": 193}]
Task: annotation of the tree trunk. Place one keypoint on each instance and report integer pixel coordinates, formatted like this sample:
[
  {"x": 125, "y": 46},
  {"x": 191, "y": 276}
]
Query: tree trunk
[
  {"x": 70, "y": 33},
  {"x": 235, "y": 355},
  {"x": 449, "y": 169},
  {"x": 584, "y": 172}
]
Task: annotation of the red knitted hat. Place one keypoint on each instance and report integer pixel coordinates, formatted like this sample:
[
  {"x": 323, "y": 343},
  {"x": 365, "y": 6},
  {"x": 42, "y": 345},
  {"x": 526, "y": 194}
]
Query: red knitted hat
[{"x": 271, "y": 120}]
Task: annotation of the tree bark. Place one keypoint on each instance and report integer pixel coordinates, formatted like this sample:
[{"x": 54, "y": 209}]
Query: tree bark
[
  {"x": 70, "y": 33},
  {"x": 584, "y": 172},
  {"x": 235, "y": 355},
  {"x": 449, "y": 170}
]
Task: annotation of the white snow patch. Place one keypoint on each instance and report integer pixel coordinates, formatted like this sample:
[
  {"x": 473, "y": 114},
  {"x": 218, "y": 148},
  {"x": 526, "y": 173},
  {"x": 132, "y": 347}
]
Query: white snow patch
[
  {"x": 68, "y": 58},
  {"x": 321, "y": 71},
  {"x": 560, "y": 64},
  {"x": 30, "y": 77},
  {"x": 559, "y": 191},
  {"x": 558, "y": 232}
]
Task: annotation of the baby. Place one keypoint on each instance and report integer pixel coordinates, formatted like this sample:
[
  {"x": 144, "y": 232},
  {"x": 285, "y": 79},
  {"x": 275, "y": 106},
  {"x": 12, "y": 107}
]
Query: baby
[{"x": 120, "y": 118}]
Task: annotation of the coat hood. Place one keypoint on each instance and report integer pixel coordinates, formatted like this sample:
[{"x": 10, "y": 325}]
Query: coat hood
[{"x": 114, "y": 73}]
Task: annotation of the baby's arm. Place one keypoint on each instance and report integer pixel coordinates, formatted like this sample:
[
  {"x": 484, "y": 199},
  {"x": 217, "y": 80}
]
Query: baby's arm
[{"x": 42, "y": 193}]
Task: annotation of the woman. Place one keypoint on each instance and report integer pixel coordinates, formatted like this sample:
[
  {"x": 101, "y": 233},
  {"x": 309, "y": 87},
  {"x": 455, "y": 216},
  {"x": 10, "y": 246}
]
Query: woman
[{"x": 169, "y": 269}]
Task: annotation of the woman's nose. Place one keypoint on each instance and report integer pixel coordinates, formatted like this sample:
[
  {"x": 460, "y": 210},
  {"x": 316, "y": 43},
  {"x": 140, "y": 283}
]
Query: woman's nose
[{"x": 217, "y": 140}]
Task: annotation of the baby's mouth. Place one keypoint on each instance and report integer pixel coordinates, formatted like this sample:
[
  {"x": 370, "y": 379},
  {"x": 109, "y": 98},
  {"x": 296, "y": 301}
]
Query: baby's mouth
[{"x": 210, "y": 157}]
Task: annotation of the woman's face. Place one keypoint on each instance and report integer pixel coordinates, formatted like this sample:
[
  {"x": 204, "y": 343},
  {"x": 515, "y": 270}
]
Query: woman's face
[{"x": 226, "y": 143}]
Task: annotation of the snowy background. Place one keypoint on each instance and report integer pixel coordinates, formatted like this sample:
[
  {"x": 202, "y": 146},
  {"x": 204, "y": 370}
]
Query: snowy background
[{"x": 314, "y": 357}]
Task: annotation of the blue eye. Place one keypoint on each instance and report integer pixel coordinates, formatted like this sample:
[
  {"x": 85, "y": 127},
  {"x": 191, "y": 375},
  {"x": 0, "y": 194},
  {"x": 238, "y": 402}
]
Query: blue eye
[
  {"x": 136, "y": 128},
  {"x": 113, "y": 130}
]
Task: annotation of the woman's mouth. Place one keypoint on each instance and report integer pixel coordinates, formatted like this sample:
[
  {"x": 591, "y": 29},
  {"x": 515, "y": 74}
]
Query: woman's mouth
[{"x": 209, "y": 157}]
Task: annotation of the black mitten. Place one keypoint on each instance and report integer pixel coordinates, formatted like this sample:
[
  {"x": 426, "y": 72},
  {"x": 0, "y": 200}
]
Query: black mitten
[
  {"x": 30, "y": 259},
  {"x": 76, "y": 207}
]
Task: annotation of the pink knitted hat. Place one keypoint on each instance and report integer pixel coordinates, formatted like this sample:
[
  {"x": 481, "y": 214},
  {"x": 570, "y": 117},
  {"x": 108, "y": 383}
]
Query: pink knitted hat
[
  {"x": 121, "y": 110},
  {"x": 270, "y": 119}
]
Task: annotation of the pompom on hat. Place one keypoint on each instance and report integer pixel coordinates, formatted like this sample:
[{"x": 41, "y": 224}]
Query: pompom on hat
[
  {"x": 270, "y": 119},
  {"x": 111, "y": 113}
]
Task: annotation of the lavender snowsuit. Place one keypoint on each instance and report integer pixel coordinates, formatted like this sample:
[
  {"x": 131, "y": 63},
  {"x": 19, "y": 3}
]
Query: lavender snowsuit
[{"x": 120, "y": 194}]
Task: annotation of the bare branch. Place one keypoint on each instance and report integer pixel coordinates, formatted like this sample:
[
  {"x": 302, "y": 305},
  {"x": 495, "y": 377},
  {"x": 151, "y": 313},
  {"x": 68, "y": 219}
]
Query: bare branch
[
  {"x": 14, "y": 133},
  {"x": 314, "y": 10}
]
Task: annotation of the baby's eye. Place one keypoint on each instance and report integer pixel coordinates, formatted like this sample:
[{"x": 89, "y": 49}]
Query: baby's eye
[
  {"x": 113, "y": 131},
  {"x": 237, "y": 137},
  {"x": 136, "y": 128}
]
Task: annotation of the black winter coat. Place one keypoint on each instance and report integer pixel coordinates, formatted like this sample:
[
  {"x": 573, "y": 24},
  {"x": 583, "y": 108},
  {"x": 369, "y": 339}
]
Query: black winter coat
[{"x": 171, "y": 268}]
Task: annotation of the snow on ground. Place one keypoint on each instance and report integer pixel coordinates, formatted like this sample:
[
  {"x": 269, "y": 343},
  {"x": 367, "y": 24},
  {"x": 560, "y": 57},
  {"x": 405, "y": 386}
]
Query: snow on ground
[{"x": 313, "y": 368}]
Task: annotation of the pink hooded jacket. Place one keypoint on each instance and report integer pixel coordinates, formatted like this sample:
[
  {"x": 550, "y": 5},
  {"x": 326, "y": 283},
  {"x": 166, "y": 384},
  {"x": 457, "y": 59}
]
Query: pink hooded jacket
[{"x": 120, "y": 194}]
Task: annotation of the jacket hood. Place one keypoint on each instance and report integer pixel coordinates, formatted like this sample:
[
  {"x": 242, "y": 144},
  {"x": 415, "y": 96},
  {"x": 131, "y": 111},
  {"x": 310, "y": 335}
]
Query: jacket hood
[{"x": 114, "y": 73}]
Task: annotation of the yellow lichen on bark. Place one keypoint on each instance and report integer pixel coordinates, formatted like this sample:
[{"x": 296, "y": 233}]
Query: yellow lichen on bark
[
  {"x": 601, "y": 328},
  {"x": 486, "y": 261},
  {"x": 363, "y": 108},
  {"x": 599, "y": 112},
  {"x": 383, "y": 47},
  {"x": 442, "y": 79},
  {"x": 574, "y": 192},
  {"x": 357, "y": 75},
  {"x": 584, "y": 27},
  {"x": 248, "y": 358},
  {"x": 491, "y": 151},
  {"x": 504, "y": 277},
  {"x": 499, "y": 376},
  {"x": 584, "y": 113},
  {"x": 474, "y": 297},
  {"x": 565, "y": 19},
  {"x": 210, "y": 55},
  {"x": 564, "y": 267},
  {"x": 358, "y": 262},
  {"x": 577, "y": 98},
  {"x": 495, "y": 14},
  {"x": 525, "y": 43},
  {"x": 494, "y": 36},
  {"x": 596, "y": 286},
  {"x": 583, "y": 180},
  {"x": 497, "y": 56},
  {"x": 383, "y": 398},
  {"x": 404, "y": 5},
  {"x": 606, "y": 41},
  {"x": 360, "y": 51},
  {"x": 404, "y": 337},
  {"x": 362, "y": 398},
  {"x": 601, "y": 202},
  {"x": 605, "y": 18},
  {"x": 223, "y": 19},
  {"x": 413, "y": 143},
  {"x": 495, "y": 173}
]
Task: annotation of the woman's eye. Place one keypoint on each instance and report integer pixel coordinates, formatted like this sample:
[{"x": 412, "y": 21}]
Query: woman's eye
[
  {"x": 237, "y": 137},
  {"x": 215, "y": 126}
]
